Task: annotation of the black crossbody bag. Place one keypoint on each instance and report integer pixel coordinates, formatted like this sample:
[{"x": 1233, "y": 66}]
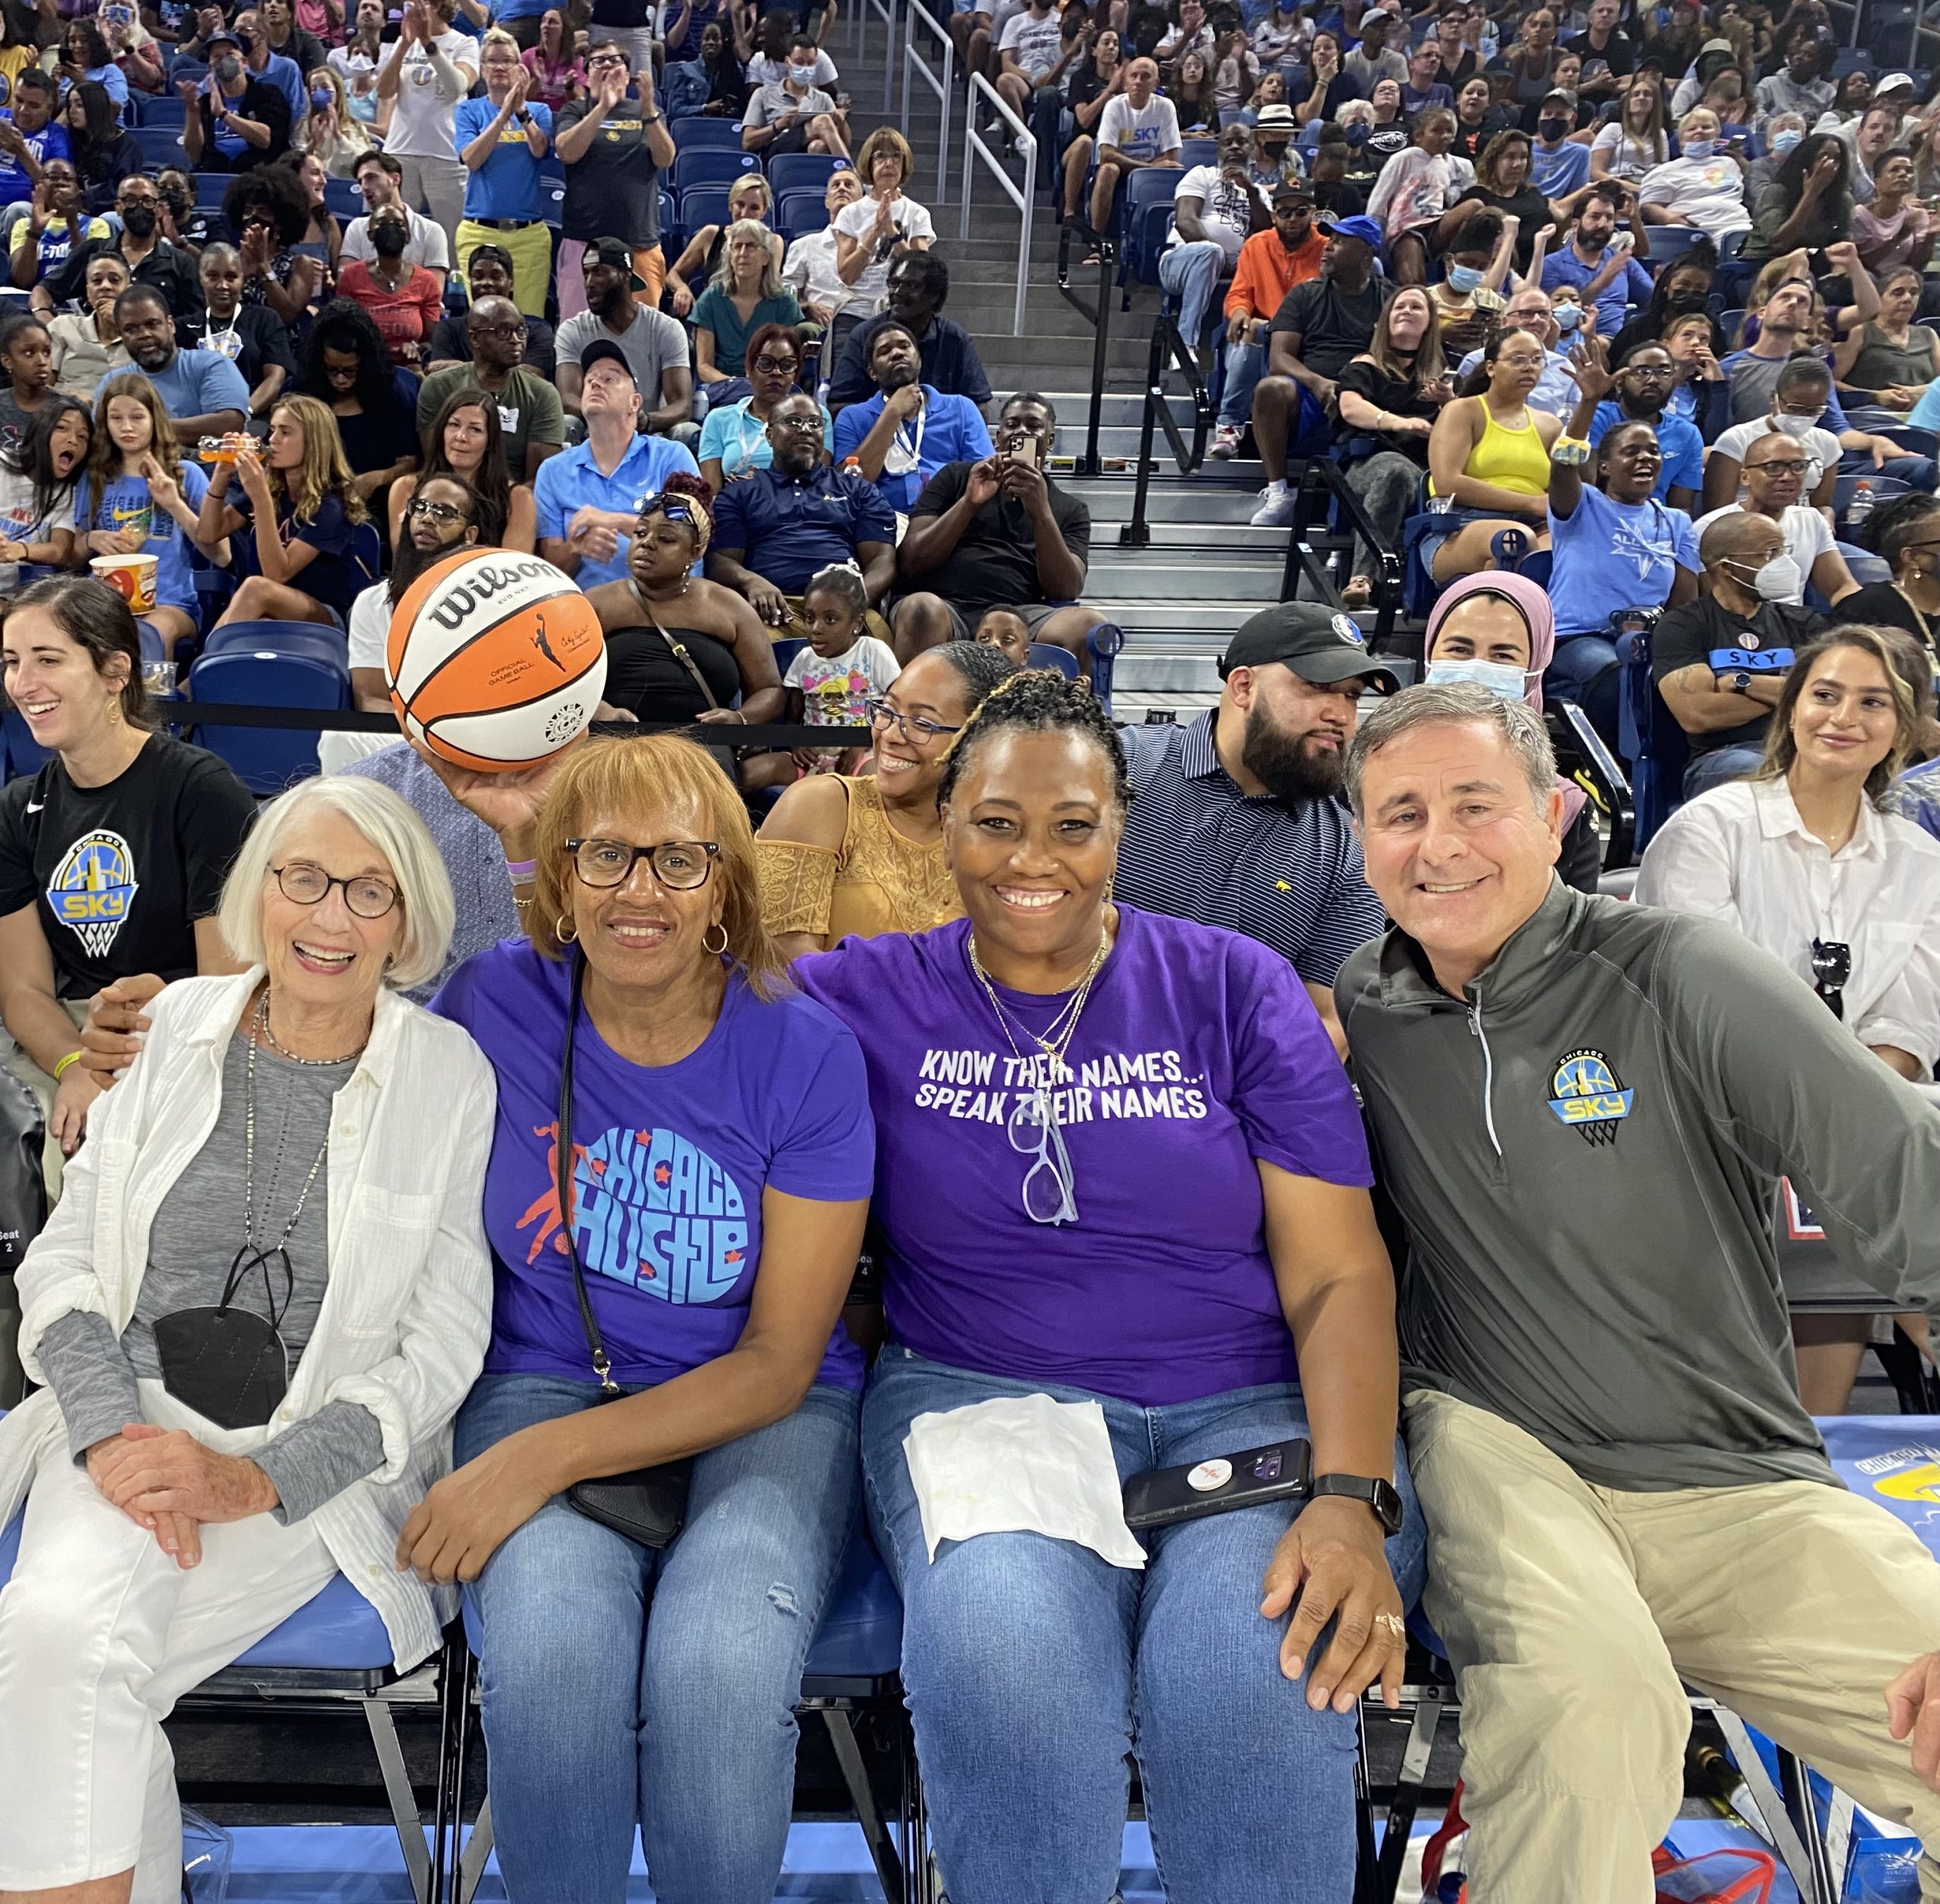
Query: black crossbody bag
[{"x": 649, "y": 1504}]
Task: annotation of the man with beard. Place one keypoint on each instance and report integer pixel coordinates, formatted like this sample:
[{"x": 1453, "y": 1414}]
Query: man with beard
[
  {"x": 1237, "y": 819},
  {"x": 533, "y": 424},
  {"x": 656, "y": 345},
  {"x": 918, "y": 283},
  {"x": 441, "y": 517},
  {"x": 907, "y": 431},
  {"x": 202, "y": 391}
]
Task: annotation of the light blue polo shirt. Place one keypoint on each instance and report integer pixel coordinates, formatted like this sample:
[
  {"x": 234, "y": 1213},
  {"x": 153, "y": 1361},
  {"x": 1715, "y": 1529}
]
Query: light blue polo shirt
[
  {"x": 571, "y": 479},
  {"x": 198, "y": 381}
]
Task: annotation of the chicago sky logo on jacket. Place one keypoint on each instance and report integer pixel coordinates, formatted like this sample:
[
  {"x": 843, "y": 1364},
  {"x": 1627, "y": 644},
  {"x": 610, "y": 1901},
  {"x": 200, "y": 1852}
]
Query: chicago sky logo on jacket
[
  {"x": 1587, "y": 1094},
  {"x": 93, "y": 888}
]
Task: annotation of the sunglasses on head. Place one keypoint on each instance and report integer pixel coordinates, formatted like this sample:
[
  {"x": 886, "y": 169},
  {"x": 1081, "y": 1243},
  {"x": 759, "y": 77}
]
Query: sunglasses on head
[{"x": 1832, "y": 972}]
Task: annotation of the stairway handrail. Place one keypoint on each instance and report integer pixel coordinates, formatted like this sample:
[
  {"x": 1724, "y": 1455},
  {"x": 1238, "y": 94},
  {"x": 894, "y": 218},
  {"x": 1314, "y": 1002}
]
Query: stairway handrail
[
  {"x": 942, "y": 86},
  {"x": 1025, "y": 201}
]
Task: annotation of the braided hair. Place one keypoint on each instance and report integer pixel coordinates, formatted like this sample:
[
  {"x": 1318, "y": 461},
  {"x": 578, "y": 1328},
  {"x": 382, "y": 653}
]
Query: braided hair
[
  {"x": 984, "y": 668},
  {"x": 1039, "y": 701}
]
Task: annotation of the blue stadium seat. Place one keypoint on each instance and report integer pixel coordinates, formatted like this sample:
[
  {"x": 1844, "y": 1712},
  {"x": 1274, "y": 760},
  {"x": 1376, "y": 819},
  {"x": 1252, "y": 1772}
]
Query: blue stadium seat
[
  {"x": 1048, "y": 654},
  {"x": 711, "y": 165},
  {"x": 266, "y": 759},
  {"x": 1669, "y": 243},
  {"x": 310, "y": 638},
  {"x": 786, "y": 650},
  {"x": 342, "y": 197},
  {"x": 695, "y": 134},
  {"x": 800, "y": 213},
  {"x": 703, "y": 205},
  {"x": 331, "y": 1650},
  {"x": 150, "y": 640},
  {"x": 24, "y": 754},
  {"x": 1648, "y": 737},
  {"x": 1143, "y": 242},
  {"x": 1197, "y": 152},
  {"x": 1103, "y": 646},
  {"x": 211, "y": 188},
  {"x": 367, "y": 547},
  {"x": 804, "y": 171},
  {"x": 160, "y": 146},
  {"x": 157, "y": 109},
  {"x": 1851, "y": 59},
  {"x": 670, "y": 221}
]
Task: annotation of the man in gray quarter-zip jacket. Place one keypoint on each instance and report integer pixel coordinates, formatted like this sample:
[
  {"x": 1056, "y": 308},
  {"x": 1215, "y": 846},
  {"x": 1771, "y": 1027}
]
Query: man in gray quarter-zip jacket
[{"x": 1579, "y": 1106}]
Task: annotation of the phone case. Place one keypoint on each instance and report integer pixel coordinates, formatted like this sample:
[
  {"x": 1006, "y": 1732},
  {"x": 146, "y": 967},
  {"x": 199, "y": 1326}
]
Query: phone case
[{"x": 1280, "y": 1471}]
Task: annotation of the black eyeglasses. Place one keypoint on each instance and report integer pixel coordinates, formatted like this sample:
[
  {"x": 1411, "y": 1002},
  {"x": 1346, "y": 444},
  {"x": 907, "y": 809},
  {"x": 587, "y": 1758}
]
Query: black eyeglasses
[
  {"x": 1832, "y": 971},
  {"x": 437, "y": 512},
  {"x": 507, "y": 331},
  {"x": 678, "y": 864},
  {"x": 776, "y": 366},
  {"x": 882, "y": 714},
  {"x": 366, "y": 895}
]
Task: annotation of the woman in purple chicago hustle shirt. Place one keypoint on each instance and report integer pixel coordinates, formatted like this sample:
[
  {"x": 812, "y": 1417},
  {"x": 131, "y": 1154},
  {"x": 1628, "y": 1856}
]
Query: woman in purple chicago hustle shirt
[
  {"x": 1118, "y": 1161},
  {"x": 722, "y": 1159}
]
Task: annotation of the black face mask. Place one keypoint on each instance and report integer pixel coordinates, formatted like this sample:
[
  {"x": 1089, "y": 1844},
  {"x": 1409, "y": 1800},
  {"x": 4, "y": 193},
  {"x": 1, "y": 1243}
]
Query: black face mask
[
  {"x": 389, "y": 239},
  {"x": 1687, "y": 300},
  {"x": 139, "y": 220},
  {"x": 1552, "y": 129},
  {"x": 229, "y": 69},
  {"x": 177, "y": 203}
]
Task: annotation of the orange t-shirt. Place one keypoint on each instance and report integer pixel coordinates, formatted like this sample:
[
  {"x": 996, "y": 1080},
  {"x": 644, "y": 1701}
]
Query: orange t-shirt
[{"x": 1267, "y": 271}]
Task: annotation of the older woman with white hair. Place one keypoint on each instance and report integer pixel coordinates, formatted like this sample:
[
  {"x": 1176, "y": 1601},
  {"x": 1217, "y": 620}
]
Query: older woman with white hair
[{"x": 256, "y": 1309}]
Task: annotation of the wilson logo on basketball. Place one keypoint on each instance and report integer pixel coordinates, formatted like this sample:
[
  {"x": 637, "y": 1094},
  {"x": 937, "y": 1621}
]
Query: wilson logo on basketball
[{"x": 495, "y": 662}]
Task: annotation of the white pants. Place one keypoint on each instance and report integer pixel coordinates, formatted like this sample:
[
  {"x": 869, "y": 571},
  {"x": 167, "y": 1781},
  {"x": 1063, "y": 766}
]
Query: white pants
[
  {"x": 101, "y": 1633},
  {"x": 437, "y": 187}
]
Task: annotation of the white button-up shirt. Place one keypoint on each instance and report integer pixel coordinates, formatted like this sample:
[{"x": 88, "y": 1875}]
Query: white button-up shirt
[{"x": 1742, "y": 854}]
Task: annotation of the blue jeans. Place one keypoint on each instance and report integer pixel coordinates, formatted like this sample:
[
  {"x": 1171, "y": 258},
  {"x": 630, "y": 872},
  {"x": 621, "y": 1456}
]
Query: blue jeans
[
  {"x": 1718, "y": 767},
  {"x": 1584, "y": 670},
  {"x": 598, "y": 1718},
  {"x": 1033, "y": 1667},
  {"x": 1190, "y": 272},
  {"x": 1246, "y": 364}
]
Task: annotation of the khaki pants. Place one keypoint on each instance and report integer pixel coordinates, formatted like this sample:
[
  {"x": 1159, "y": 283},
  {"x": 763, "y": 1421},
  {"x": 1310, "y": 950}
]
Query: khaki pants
[{"x": 1573, "y": 1615}]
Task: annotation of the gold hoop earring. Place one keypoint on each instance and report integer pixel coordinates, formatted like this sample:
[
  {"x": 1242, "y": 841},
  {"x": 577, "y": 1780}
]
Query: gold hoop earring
[
  {"x": 715, "y": 951},
  {"x": 560, "y": 933}
]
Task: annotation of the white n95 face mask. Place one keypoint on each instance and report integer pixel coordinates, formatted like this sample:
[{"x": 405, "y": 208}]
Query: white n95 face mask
[
  {"x": 1505, "y": 682},
  {"x": 1797, "y": 428},
  {"x": 1781, "y": 580}
]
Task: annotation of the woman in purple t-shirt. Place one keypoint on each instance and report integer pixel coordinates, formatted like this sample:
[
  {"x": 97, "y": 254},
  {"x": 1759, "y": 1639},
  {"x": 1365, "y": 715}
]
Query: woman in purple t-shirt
[
  {"x": 1120, "y": 1163},
  {"x": 719, "y": 1166}
]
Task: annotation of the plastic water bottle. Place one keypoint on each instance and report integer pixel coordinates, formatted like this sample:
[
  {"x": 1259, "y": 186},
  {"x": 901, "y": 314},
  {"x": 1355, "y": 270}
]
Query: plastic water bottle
[{"x": 1859, "y": 507}]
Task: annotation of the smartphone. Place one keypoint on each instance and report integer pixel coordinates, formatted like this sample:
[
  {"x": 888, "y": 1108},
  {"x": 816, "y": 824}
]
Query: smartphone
[
  {"x": 1282, "y": 1470},
  {"x": 1026, "y": 452}
]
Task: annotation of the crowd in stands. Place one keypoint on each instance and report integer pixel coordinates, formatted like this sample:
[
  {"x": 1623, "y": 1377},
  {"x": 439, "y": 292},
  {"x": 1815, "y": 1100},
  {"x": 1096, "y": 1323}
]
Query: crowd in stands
[{"x": 483, "y": 1099}]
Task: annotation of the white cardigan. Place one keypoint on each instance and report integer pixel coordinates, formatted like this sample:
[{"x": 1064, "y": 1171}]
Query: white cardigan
[{"x": 408, "y": 1310}]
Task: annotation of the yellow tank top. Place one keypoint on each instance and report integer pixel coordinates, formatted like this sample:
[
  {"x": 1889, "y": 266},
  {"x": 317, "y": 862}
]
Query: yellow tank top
[
  {"x": 1513, "y": 460},
  {"x": 879, "y": 882}
]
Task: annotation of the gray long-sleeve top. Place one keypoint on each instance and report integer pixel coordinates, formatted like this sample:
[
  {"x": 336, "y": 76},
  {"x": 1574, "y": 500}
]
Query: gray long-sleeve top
[
  {"x": 1584, "y": 1150},
  {"x": 197, "y": 1230}
]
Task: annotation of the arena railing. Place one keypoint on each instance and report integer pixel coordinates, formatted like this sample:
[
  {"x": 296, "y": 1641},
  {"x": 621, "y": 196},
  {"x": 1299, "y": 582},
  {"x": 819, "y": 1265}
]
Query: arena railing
[
  {"x": 941, "y": 84},
  {"x": 1025, "y": 201},
  {"x": 1324, "y": 483},
  {"x": 1098, "y": 317},
  {"x": 885, "y": 11},
  {"x": 1169, "y": 353}
]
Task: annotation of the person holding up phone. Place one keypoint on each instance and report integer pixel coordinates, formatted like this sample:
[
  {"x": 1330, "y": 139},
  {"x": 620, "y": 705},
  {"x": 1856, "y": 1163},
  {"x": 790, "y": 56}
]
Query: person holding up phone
[{"x": 998, "y": 533}]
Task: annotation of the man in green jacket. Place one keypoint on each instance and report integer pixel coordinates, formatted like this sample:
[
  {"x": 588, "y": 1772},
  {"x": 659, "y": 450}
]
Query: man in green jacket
[{"x": 1580, "y": 1107}]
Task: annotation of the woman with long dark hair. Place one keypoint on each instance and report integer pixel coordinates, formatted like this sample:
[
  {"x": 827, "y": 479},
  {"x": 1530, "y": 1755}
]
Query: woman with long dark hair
[
  {"x": 103, "y": 153},
  {"x": 1808, "y": 205},
  {"x": 346, "y": 366},
  {"x": 466, "y": 441},
  {"x": 37, "y": 479},
  {"x": 1682, "y": 289},
  {"x": 86, "y": 54}
]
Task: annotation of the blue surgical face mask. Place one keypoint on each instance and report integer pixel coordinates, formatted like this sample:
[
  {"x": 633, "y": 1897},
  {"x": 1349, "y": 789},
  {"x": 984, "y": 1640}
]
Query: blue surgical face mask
[
  {"x": 322, "y": 100},
  {"x": 1700, "y": 147},
  {"x": 802, "y": 75},
  {"x": 1784, "y": 142},
  {"x": 1568, "y": 317},
  {"x": 1462, "y": 278},
  {"x": 1505, "y": 682},
  {"x": 1356, "y": 134}
]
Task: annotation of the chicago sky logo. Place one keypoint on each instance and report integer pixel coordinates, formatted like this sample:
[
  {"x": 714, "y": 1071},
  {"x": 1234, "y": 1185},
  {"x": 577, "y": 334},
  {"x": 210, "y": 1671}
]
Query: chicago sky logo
[
  {"x": 1586, "y": 1095},
  {"x": 93, "y": 888}
]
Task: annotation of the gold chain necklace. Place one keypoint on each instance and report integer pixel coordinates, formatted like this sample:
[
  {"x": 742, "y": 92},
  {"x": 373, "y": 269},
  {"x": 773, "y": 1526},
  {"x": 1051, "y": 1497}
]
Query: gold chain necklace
[{"x": 1055, "y": 1039}]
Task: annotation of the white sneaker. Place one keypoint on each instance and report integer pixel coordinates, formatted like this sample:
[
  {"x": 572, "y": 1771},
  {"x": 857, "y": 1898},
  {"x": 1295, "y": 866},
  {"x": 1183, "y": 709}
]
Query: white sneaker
[
  {"x": 1024, "y": 147},
  {"x": 1276, "y": 508},
  {"x": 1226, "y": 440}
]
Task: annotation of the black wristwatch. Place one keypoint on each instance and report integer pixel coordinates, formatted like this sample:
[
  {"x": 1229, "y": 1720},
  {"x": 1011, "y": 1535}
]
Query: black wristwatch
[
  {"x": 1380, "y": 1495},
  {"x": 1739, "y": 682}
]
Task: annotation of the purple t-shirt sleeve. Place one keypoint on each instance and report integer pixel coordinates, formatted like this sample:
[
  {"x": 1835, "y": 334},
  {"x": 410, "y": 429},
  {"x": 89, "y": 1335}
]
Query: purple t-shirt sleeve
[
  {"x": 1290, "y": 1092},
  {"x": 827, "y": 1154}
]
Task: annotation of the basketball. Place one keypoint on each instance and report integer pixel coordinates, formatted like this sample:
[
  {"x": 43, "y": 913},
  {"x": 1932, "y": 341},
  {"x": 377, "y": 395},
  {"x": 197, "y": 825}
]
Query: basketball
[{"x": 495, "y": 659}]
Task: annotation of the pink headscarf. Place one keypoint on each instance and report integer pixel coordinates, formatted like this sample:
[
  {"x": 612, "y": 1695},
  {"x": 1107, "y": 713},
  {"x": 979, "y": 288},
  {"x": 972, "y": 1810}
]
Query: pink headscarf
[{"x": 1531, "y": 603}]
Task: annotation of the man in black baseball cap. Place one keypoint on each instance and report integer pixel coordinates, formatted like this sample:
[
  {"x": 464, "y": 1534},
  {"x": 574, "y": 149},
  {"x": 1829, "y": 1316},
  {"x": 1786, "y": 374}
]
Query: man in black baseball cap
[{"x": 1237, "y": 820}]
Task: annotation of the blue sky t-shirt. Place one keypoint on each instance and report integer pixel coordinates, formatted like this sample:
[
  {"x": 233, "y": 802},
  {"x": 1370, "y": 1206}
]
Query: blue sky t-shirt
[
  {"x": 1197, "y": 1051},
  {"x": 124, "y": 501},
  {"x": 1611, "y": 555},
  {"x": 506, "y": 186},
  {"x": 670, "y": 1161}
]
